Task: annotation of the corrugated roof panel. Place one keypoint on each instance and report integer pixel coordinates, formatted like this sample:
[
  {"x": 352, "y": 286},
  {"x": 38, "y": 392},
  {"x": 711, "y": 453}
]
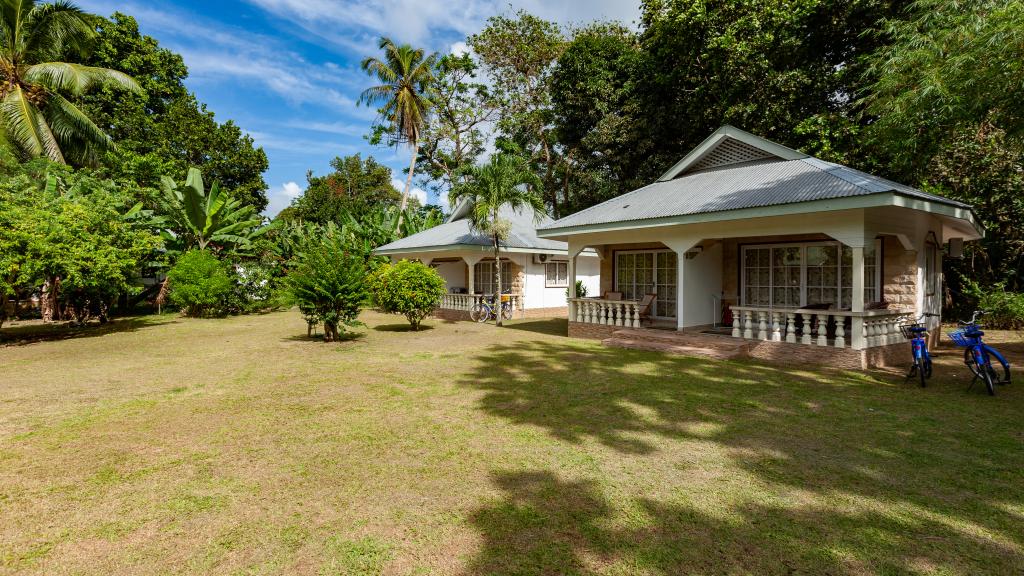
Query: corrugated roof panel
[
  {"x": 459, "y": 233},
  {"x": 737, "y": 186}
]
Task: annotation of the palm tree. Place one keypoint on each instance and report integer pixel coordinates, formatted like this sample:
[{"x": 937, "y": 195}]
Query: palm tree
[
  {"x": 404, "y": 96},
  {"x": 33, "y": 114},
  {"x": 505, "y": 181}
]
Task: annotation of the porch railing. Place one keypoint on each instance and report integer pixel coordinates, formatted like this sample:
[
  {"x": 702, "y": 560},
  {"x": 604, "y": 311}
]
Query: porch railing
[
  {"x": 625, "y": 313},
  {"x": 467, "y": 302},
  {"x": 838, "y": 328}
]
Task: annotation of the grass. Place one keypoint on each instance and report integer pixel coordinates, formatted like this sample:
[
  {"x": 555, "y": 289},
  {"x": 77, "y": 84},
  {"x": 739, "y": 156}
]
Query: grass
[{"x": 237, "y": 446}]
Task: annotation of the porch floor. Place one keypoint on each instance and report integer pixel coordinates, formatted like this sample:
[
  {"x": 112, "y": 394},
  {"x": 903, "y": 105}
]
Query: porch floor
[{"x": 684, "y": 343}]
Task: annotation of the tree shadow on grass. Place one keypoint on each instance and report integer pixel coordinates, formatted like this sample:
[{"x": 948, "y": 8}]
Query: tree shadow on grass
[
  {"x": 550, "y": 327},
  {"x": 401, "y": 328},
  {"x": 893, "y": 478},
  {"x": 545, "y": 525},
  {"x": 24, "y": 333}
]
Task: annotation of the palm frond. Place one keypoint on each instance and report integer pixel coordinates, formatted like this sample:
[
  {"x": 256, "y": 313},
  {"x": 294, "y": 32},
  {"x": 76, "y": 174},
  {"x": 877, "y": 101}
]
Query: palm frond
[
  {"x": 19, "y": 118},
  {"x": 76, "y": 78},
  {"x": 53, "y": 29},
  {"x": 72, "y": 125}
]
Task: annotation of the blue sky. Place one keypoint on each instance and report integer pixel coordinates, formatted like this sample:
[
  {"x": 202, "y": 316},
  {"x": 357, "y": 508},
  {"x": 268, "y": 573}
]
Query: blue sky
[{"x": 287, "y": 71}]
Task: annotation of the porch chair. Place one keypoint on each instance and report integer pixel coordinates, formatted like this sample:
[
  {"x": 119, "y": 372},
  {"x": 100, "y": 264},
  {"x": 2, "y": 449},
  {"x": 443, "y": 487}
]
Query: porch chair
[
  {"x": 612, "y": 296},
  {"x": 644, "y": 308}
]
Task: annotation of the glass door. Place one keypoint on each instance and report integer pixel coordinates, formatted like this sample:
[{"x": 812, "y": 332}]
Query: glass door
[{"x": 648, "y": 272}]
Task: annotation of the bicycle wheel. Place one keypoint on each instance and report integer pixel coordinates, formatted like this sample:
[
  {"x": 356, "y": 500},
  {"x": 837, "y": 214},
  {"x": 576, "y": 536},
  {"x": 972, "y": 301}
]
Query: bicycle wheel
[
  {"x": 969, "y": 360},
  {"x": 1002, "y": 362},
  {"x": 479, "y": 313},
  {"x": 986, "y": 375},
  {"x": 922, "y": 371},
  {"x": 506, "y": 312}
]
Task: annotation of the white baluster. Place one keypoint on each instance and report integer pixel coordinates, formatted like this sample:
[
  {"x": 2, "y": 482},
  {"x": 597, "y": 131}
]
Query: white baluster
[
  {"x": 822, "y": 330},
  {"x": 791, "y": 327},
  {"x": 840, "y": 332},
  {"x": 736, "y": 331},
  {"x": 776, "y": 327},
  {"x": 762, "y": 325},
  {"x": 805, "y": 320},
  {"x": 616, "y": 317},
  {"x": 748, "y": 325}
]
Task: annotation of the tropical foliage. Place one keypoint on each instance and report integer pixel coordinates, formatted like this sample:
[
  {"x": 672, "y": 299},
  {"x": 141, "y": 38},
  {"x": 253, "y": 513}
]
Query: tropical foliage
[
  {"x": 72, "y": 239},
  {"x": 411, "y": 289},
  {"x": 504, "y": 183},
  {"x": 199, "y": 284},
  {"x": 406, "y": 76},
  {"x": 208, "y": 219},
  {"x": 35, "y": 80},
  {"x": 328, "y": 283}
]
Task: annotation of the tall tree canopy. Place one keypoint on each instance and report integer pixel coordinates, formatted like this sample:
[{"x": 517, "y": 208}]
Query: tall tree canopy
[
  {"x": 40, "y": 48},
  {"x": 355, "y": 187},
  {"x": 164, "y": 130}
]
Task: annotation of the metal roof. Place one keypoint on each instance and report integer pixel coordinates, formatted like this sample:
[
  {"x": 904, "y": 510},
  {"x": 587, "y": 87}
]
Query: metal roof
[
  {"x": 746, "y": 184},
  {"x": 459, "y": 233}
]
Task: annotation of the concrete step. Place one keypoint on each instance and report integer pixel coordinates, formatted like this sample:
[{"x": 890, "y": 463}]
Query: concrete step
[
  {"x": 661, "y": 345},
  {"x": 689, "y": 339}
]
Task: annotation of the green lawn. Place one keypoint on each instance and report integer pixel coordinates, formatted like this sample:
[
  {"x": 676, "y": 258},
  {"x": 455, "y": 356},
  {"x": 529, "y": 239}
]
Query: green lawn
[{"x": 239, "y": 446}]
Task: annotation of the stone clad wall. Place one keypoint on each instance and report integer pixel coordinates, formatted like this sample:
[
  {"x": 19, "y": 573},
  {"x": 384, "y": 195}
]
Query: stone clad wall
[{"x": 899, "y": 276}]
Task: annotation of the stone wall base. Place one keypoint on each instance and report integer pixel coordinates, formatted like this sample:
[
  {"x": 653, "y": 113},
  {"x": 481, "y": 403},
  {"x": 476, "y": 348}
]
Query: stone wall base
[
  {"x": 783, "y": 353},
  {"x": 460, "y": 315}
]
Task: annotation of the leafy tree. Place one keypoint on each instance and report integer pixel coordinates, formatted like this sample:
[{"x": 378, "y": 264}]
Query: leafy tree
[
  {"x": 70, "y": 236},
  {"x": 328, "y": 284},
  {"x": 199, "y": 284},
  {"x": 164, "y": 129},
  {"x": 34, "y": 77},
  {"x": 406, "y": 77},
  {"x": 592, "y": 91},
  {"x": 412, "y": 289},
  {"x": 356, "y": 187},
  {"x": 519, "y": 55},
  {"x": 213, "y": 219},
  {"x": 454, "y": 138},
  {"x": 950, "y": 64},
  {"x": 505, "y": 182}
]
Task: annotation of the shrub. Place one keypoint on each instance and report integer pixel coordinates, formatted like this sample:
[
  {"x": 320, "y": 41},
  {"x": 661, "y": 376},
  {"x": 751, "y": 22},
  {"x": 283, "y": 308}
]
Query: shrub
[
  {"x": 255, "y": 288},
  {"x": 328, "y": 284},
  {"x": 409, "y": 288},
  {"x": 1004, "y": 310},
  {"x": 581, "y": 290},
  {"x": 200, "y": 284}
]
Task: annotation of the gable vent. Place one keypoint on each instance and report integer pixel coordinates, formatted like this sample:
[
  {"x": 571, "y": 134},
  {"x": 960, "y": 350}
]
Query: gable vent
[{"x": 730, "y": 151}]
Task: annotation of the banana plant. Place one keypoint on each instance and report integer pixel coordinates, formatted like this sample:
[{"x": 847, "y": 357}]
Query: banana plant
[{"x": 201, "y": 219}]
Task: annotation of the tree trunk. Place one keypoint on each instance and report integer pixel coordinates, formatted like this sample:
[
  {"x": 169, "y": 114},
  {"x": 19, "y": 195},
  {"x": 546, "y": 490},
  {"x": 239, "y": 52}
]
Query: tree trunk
[
  {"x": 48, "y": 302},
  {"x": 547, "y": 178},
  {"x": 497, "y": 284},
  {"x": 408, "y": 184}
]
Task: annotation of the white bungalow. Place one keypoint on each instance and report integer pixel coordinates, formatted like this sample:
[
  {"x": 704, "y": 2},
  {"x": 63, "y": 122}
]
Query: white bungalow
[
  {"x": 535, "y": 270},
  {"x": 794, "y": 257}
]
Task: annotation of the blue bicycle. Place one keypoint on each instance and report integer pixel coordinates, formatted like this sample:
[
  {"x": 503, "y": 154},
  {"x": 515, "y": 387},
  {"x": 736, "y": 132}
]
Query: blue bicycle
[
  {"x": 918, "y": 336},
  {"x": 978, "y": 355}
]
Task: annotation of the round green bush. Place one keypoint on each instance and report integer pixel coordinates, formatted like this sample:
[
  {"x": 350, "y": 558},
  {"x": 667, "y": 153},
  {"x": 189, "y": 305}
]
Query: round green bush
[
  {"x": 200, "y": 284},
  {"x": 408, "y": 288}
]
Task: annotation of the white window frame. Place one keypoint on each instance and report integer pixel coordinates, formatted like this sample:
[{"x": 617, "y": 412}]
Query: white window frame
[
  {"x": 486, "y": 278},
  {"x": 803, "y": 269},
  {"x": 558, "y": 266},
  {"x": 654, "y": 275}
]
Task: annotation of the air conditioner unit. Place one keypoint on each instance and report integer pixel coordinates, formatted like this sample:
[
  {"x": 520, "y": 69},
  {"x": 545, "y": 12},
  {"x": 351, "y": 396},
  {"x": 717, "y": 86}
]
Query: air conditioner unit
[
  {"x": 545, "y": 258},
  {"x": 540, "y": 258}
]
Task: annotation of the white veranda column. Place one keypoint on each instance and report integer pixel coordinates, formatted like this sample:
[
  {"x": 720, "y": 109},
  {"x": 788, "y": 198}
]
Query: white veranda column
[
  {"x": 681, "y": 246},
  {"x": 857, "y": 299},
  {"x": 574, "y": 251},
  {"x": 471, "y": 266}
]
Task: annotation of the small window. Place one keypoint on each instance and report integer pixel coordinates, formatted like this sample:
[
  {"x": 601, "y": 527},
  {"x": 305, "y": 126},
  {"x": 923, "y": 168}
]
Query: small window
[{"x": 556, "y": 274}]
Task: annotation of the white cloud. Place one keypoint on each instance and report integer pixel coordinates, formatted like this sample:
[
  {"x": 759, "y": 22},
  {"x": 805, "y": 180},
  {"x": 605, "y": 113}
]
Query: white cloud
[
  {"x": 417, "y": 193},
  {"x": 459, "y": 48},
  {"x": 281, "y": 197}
]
